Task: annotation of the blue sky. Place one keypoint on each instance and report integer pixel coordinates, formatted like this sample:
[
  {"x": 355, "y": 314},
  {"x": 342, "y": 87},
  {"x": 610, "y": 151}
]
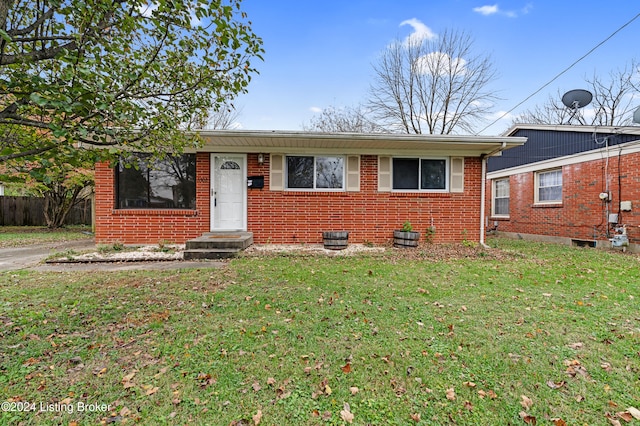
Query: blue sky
[{"x": 320, "y": 53}]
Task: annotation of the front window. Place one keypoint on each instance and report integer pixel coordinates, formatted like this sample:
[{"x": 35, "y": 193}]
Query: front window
[
  {"x": 549, "y": 187},
  {"x": 151, "y": 183},
  {"x": 419, "y": 174},
  {"x": 501, "y": 197},
  {"x": 315, "y": 172}
]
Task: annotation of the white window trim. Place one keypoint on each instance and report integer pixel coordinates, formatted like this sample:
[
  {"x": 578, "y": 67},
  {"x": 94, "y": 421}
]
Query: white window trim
[
  {"x": 314, "y": 189},
  {"x": 493, "y": 199},
  {"x": 447, "y": 172},
  {"x": 536, "y": 189}
]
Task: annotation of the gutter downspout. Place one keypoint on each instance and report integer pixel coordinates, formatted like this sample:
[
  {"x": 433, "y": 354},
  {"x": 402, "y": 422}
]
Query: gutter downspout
[{"x": 483, "y": 192}]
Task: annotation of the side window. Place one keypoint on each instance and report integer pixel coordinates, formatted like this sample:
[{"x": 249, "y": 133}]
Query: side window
[
  {"x": 501, "y": 197},
  {"x": 549, "y": 187}
]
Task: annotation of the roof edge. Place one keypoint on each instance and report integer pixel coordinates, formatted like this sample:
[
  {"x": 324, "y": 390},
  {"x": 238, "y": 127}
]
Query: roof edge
[
  {"x": 629, "y": 130},
  {"x": 284, "y": 134}
]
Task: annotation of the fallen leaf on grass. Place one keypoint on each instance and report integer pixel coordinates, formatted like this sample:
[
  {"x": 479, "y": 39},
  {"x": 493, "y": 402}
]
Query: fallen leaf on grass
[
  {"x": 126, "y": 380},
  {"x": 205, "y": 379},
  {"x": 327, "y": 390},
  {"x": 634, "y": 412},
  {"x": 354, "y": 390},
  {"x": 415, "y": 417},
  {"x": 256, "y": 386},
  {"x": 161, "y": 372},
  {"x": 469, "y": 384},
  {"x": 491, "y": 394},
  {"x": 151, "y": 390},
  {"x": 346, "y": 369},
  {"x": 526, "y": 402},
  {"x": 257, "y": 417},
  {"x": 271, "y": 381},
  {"x": 555, "y": 385},
  {"x": 558, "y": 422},
  {"x": 530, "y": 420},
  {"x": 625, "y": 415},
  {"x": 128, "y": 377},
  {"x": 468, "y": 405},
  {"x": 99, "y": 371},
  {"x": 575, "y": 369},
  {"x": 577, "y": 345},
  {"x": 613, "y": 420},
  {"x": 346, "y": 413},
  {"x": 451, "y": 394}
]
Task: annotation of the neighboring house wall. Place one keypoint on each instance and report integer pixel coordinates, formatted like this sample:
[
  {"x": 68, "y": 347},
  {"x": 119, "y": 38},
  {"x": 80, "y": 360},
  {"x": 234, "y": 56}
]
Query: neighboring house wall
[
  {"x": 285, "y": 216},
  {"x": 581, "y": 214}
]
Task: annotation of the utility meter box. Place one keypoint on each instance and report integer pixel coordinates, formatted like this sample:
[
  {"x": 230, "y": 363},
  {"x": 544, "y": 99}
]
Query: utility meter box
[{"x": 625, "y": 206}]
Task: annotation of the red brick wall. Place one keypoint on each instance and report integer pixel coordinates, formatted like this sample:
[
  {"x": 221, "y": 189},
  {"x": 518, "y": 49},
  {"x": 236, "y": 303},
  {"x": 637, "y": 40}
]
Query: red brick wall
[
  {"x": 369, "y": 215},
  {"x": 135, "y": 226},
  {"x": 582, "y": 215},
  {"x": 299, "y": 217}
]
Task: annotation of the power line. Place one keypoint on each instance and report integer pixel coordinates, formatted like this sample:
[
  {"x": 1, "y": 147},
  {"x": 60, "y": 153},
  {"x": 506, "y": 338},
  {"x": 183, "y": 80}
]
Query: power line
[{"x": 559, "y": 74}]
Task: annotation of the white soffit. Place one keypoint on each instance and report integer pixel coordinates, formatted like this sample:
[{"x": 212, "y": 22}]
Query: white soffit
[{"x": 353, "y": 143}]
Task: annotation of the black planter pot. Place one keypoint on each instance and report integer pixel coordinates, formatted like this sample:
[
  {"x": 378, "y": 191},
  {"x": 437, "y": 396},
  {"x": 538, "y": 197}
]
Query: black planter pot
[
  {"x": 406, "y": 239},
  {"x": 335, "y": 240}
]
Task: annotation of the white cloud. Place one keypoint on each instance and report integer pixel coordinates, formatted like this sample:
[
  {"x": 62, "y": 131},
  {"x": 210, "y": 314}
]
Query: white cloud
[
  {"x": 420, "y": 31},
  {"x": 439, "y": 63},
  {"x": 502, "y": 115},
  {"x": 147, "y": 9},
  {"x": 494, "y": 9},
  {"x": 486, "y": 10},
  {"x": 315, "y": 109}
]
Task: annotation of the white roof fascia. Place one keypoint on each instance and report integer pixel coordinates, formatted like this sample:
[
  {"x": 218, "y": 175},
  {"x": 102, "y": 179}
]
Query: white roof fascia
[{"x": 353, "y": 143}]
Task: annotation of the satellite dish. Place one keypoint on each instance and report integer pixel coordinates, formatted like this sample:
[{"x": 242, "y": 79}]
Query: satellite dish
[
  {"x": 636, "y": 116},
  {"x": 577, "y": 98}
]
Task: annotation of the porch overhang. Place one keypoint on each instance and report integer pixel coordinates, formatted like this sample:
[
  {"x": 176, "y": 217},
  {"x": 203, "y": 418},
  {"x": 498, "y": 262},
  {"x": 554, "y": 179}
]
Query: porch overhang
[{"x": 292, "y": 142}]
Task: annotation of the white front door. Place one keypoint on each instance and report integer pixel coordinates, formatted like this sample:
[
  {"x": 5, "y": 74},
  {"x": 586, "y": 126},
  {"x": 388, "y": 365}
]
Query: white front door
[{"x": 228, "y": 192}]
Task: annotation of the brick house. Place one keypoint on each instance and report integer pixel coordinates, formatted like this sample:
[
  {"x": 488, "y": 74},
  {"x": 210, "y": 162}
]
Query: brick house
[
  {"x": 573, "y": 184},
  {"x": 288, "y": 187}
]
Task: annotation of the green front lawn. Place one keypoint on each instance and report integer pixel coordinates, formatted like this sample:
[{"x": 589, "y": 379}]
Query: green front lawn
[
  {"x": 19, "y": 236},
  {"x": 463, "y": 336}
]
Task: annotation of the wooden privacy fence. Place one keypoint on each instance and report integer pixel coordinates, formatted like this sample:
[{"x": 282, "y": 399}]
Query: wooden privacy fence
[{"x": 29, "y": 211}]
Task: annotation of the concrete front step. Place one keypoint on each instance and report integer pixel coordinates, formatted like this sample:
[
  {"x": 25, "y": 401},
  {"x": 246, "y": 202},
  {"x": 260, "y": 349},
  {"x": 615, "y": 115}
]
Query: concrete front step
[
  {"x": 209, "y": 254},
  {"x": 217, "y": 245}
]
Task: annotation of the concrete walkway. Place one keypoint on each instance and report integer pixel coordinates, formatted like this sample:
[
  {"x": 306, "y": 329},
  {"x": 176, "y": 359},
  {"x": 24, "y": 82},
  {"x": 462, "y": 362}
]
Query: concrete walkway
[{"x": 32, "y": 257}]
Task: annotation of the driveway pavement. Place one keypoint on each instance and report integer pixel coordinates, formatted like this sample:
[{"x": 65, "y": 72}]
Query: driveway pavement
[{"x": 32, "y": 257}]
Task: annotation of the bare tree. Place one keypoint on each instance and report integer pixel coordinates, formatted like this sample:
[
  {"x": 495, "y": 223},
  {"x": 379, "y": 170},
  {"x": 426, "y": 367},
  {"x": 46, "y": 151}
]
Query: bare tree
[
  {"x": 434, "y": 85},
  {"x": 343, "y": 120},
  {"x": 614, "y": 100},
  {"x": 224, "y": 117},
  {"x": 551, "y": 112}
]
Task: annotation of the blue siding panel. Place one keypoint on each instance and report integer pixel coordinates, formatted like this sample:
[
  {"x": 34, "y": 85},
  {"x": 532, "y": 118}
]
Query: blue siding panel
[{"x": 544, "y": 145}]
